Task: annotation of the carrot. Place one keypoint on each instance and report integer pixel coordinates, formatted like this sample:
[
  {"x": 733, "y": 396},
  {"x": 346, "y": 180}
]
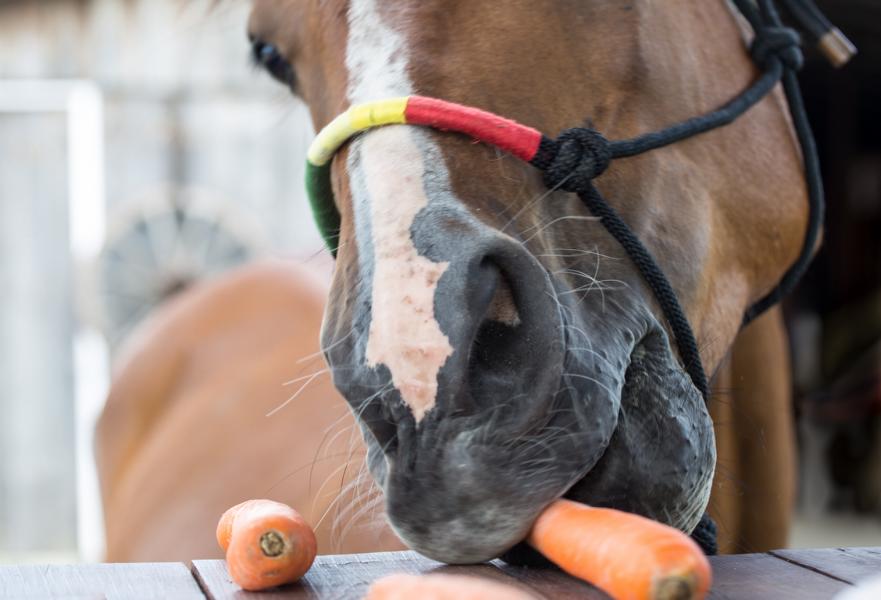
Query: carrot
[
  {"x": 224, "y": 526},
  {"x": 442, "y": 586},
  {"x": 626, "y": 555},
  {"x": 267, "y": 544}
]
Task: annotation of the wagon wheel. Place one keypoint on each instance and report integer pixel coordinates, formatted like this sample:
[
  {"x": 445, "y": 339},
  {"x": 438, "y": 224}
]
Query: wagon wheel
[{"x": 161, "y": 244}]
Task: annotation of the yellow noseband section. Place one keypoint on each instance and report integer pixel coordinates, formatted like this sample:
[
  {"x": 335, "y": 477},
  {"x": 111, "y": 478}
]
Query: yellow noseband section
[{"x": 355, "y": 120}]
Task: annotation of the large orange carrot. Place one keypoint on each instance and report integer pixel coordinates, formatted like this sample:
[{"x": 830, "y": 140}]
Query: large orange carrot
[
  {"x": 442, "y": 586},
  {"x": 267, "y": 544},
  {"x": 627, "y": 556}
]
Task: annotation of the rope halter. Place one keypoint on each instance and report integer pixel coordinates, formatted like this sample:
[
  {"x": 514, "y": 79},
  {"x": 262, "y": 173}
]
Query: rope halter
[{"x": 577, "y": 156}]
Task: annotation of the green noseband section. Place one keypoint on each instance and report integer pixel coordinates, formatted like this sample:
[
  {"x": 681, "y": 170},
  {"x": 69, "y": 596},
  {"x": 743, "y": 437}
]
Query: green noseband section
[{"x": 320, "y": 193}]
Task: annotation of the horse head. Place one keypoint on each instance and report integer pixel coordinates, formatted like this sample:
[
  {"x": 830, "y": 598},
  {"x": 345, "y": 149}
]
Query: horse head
[{"x": 497, "y": 346}]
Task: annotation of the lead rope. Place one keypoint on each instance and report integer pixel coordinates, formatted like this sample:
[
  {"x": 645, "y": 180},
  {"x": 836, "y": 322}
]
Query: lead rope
[{"x": 578, "y": 156}]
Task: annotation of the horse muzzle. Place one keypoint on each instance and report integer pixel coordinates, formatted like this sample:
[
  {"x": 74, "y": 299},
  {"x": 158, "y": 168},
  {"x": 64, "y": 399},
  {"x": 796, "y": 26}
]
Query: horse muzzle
[
  {"x": 465, "y": 477},
  {"x": 503, "y": 391}
]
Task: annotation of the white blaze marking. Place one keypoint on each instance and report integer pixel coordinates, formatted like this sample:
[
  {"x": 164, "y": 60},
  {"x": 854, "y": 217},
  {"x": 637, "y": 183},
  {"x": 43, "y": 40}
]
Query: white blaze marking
[
  {"x": 376, "y": 56},
  {"x": 404, "y": 334}
]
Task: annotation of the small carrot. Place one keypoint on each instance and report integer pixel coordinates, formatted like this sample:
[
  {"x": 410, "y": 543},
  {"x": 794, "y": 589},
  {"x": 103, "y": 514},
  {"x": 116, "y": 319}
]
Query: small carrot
[
  {"x": 224, "y": 526},
  {"x": 442, "y": 586},
  {"x": 267, "y": 544},
  {"x": 628, "y": 556}
]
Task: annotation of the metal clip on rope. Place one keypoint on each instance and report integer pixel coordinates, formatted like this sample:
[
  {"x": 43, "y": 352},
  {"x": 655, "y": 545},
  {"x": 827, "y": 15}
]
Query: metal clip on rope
[{"x": 834, "y": 45}]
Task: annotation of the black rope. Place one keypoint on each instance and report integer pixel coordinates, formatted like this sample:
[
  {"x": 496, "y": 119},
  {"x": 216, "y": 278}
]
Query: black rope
[
  {"x": 703, "y": 123},
  {"x": 571, "y": 163},
  {"x": 809, "y": 18},
  {"x": 705, "y": 535},
  {"x": 578, "y": 156},
  {"x": 815, "y": 202},
  {"x": 769, "y": 49}
]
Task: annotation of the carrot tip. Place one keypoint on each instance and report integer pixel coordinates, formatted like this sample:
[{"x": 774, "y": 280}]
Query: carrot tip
[
  {"x": 272, "y": 544},
  {"x": 675, "y": 587}
]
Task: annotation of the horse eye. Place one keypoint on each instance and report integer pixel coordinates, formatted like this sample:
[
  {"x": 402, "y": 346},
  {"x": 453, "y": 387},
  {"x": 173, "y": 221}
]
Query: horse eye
[{"x": 268, "y": 57}]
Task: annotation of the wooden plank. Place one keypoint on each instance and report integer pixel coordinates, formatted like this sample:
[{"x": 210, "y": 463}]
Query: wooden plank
[
  {"x": 346, "y": 577},
  {"x": 744, "y": 577},
  {"x": 848, "y": 564},
  {"x": 111, "y": 581},
  {"x": 338, "y": 577},
  {"x": 551, "y": 583},
  {"x": 766, "y": 577},
  {"x": 751, "y": 576}
]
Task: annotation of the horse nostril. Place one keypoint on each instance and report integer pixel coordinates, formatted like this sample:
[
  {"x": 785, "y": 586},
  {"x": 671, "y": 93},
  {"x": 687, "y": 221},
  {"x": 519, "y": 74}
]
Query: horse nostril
[
  {"x": 502, "y": 307},
  {"x": 498, "y": 347},
  {"x": 375, "y": 419}
]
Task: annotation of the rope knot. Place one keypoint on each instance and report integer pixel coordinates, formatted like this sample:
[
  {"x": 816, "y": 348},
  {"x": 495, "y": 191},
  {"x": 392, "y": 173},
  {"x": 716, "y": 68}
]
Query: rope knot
[
  {"x": 576, "y": 158},
  {"x": 777, "y": 43}
]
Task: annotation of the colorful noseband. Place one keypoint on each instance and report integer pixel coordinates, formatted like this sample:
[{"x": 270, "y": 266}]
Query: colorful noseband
[{"x": 521, "y": 141}]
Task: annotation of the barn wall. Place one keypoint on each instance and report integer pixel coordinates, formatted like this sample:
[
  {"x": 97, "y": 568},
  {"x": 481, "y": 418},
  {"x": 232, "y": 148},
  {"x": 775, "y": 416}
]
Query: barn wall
[{"x": 36, "y": 321}]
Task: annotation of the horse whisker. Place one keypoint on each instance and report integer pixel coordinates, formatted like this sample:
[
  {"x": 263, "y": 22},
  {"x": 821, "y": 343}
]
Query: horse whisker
[
  {"x": 315, "y": 374},
  {"x": 294, "y": 396}
]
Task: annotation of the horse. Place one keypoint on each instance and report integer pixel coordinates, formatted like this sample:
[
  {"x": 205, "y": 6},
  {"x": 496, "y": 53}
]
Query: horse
[{"x": 496, "y": 346}]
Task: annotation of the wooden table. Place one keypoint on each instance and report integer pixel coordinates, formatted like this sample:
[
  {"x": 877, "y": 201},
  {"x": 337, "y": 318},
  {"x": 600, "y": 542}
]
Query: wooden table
[{"x": 779, "y": 575}]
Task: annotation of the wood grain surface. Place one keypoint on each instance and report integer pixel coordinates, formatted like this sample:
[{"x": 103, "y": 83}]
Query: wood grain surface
[
  {"x": 114, "y": 582},
  {"x": 781, "y": 575},
  {"x": 349, "y": 576},
  {"x": 847, "y": 564},
  {"x": 766, "y": 577}
]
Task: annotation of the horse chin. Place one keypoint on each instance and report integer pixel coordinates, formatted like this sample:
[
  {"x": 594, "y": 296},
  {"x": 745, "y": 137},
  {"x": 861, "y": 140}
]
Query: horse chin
[{"x": 661, "y": 458}]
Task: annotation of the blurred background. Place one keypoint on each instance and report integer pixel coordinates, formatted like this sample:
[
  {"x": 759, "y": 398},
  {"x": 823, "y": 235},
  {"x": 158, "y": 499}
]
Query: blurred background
[{"x": 140, "y": 152}]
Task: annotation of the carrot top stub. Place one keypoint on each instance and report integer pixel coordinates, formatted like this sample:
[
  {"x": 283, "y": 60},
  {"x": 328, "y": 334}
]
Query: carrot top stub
[
  {"x": 267, "y": 544},
  {"x": 628, "y": 556}
]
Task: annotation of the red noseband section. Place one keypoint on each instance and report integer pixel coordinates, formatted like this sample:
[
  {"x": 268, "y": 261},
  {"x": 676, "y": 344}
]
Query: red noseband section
[{"x": 511, "y": 136}]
